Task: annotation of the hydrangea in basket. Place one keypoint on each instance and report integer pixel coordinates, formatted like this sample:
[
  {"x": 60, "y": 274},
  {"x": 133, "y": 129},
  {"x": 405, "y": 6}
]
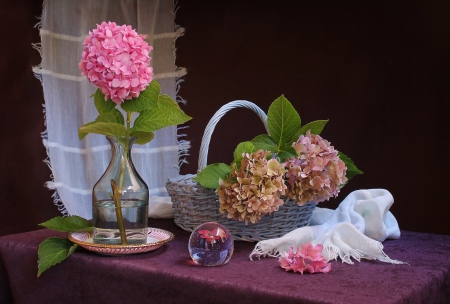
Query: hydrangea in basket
[{"x": 292, "y": 162}]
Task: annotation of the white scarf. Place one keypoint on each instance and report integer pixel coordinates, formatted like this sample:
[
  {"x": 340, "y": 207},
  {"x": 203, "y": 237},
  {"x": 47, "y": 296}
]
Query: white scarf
[{"x": 354, "y": 230}]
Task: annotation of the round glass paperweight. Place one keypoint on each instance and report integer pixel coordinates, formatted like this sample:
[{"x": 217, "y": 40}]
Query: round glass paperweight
[{"x": 211, "y": 244}]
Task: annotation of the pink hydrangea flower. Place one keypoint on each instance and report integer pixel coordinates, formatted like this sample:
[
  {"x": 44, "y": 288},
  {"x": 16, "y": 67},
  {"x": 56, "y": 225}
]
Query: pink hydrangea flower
[
  {"x": 116, "y": 60},
  {"x": 317, "y": 173},
  {"x": 307, "y": 258}
]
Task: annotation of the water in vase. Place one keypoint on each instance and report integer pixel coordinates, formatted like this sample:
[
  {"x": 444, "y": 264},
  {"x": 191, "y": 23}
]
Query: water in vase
[{"x": 106, "y": 228}]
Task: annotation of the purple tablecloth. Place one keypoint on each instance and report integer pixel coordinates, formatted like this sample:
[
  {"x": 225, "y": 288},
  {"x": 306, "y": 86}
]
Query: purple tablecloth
[{"x": 168, "y": 275}]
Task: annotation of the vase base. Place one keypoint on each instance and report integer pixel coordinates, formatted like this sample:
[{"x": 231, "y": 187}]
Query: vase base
[{"x": 155, "y": 239}]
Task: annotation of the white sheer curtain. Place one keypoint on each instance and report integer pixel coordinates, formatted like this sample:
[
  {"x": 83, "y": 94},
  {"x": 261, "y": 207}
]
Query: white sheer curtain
[{"x": 76, "y": 165}]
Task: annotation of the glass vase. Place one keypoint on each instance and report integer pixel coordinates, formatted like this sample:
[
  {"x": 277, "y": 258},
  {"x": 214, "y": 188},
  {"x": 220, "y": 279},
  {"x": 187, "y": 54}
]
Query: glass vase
[{"x": 120, "y": 199}]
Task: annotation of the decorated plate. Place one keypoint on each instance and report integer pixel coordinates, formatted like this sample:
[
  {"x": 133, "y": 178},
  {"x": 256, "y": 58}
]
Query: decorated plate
[{"x": 155, "y": 239}]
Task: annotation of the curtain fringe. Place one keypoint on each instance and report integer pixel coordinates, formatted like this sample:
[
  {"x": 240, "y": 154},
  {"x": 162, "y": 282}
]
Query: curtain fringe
[
  {"x": 44, "y": 135},
  {"x": 184, "y": 145}
]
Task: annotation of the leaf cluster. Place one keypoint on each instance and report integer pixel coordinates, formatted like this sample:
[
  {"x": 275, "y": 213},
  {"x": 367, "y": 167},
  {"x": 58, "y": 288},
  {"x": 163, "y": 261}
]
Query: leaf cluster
[
  {"x": 284, "y": 125},
  {"x": 155, "y": 110},
  {"x": 54, "y": 250}
]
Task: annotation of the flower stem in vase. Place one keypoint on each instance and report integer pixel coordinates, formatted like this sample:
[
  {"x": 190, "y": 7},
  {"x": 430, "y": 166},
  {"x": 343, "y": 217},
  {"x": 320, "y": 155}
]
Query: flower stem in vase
[
  {"x": 116, "y": 198},
  {"x": 117, "y": 190}
]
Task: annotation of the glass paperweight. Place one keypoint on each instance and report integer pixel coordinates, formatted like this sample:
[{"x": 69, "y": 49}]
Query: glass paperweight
[{"x": 211, "y": 244}]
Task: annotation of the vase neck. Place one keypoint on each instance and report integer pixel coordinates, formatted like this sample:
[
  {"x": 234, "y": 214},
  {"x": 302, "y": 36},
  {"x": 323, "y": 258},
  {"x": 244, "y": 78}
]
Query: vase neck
[
  {"x": 123, "y": 141},
  {"x": 121, "y": 145},
  {"x": 121, "y": 168}
]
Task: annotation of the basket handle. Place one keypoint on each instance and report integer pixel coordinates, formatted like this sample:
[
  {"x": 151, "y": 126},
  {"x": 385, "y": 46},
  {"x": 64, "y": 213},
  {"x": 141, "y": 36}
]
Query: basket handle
[{"x": 203, "y": 155}]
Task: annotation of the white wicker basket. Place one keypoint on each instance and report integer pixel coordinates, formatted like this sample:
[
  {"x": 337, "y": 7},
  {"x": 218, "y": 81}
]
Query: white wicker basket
[{"x": 194, "y": 205}]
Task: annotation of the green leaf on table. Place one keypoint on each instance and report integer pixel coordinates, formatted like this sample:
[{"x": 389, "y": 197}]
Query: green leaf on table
[
  {"x": 143, "y": 137},
  {"x": 113, "y": 116},
  {"x": 283, "y": 121},
  {"x": 286, "y": 152},
  {"x": 210, "y": 175},
  {"x": 315, "y": 127},
  {"x": 351, "y": 167},
  {"x": 52, "y": 251},
  {"x": 102, "y": 105},
  {"x": 243, "y": 147},
  {"x": 104, "y": 128},
  {"x": 265, "y": 142},
  {"x": 167, "y": 113},
  {"x": 67, "y": 224},
  {"x": 146, "y": 99}
]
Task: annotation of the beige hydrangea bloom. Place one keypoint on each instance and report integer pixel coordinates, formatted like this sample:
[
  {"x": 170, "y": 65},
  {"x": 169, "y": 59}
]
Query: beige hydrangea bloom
[{"x": 253, "y": 189}]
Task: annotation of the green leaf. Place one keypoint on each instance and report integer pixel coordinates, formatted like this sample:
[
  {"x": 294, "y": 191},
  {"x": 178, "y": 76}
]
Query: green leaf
[
  {"x": 102, "y": 105},
  {"x": 315, "y": 127},
  {"x": 52, "y": 251},
  {"x": 286, "y": 152},
  {"x": 104, "y": 128},
  {"x": 67, "y": 224},
  {"x": 283, "y": 121},
  {"x": 167, "y": 113},
  {"x": 146, "y": 99},
  {"x": 113, "y": 116},
  {"x": 82, "y": 135},
  {"x": 265, "y": 142},
  {"x": 351, "y": 167},
  {"x": 167, "y": 100},
  {"x": 142, "y": 137},
  {"x": 210, "y": 175},
  {"x": 243, "y": 147}
]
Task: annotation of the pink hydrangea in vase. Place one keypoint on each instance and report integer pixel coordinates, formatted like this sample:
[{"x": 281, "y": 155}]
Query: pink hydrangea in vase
[
  {"x": 116, "y": 60},
  {"x": 305, "y": 259}
]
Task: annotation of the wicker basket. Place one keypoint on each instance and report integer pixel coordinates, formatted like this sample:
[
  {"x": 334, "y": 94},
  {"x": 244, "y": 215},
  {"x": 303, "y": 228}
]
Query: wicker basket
[{"x": 194, "y": 205}]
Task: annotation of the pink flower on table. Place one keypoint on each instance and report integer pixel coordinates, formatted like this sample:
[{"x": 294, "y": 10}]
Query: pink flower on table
[
  {"x": 305, "y": 259},
  {"x": 116, "y": 60}
]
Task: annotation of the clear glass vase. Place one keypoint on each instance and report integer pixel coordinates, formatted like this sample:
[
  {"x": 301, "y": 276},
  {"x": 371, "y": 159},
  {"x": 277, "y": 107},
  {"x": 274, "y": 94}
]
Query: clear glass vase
[{"x": 120, "y": 199}]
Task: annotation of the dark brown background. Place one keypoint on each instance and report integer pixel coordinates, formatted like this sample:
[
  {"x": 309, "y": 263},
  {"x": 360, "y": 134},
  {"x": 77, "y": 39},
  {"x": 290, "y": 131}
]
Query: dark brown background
[{"x": 379, "y": 70}]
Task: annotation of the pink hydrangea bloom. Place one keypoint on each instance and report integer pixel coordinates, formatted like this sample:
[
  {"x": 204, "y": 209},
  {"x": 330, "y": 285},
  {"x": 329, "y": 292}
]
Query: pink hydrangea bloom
[
  {"x": 116, "y": 60},
  {"x": 307, "y": 258},
  {"x": 317, "y": 173},
  {"x": 254, "y": 189}
]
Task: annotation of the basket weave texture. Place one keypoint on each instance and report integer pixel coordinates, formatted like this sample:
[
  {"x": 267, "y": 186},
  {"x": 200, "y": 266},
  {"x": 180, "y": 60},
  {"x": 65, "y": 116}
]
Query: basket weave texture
[{"x": 194, "y": 205}]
